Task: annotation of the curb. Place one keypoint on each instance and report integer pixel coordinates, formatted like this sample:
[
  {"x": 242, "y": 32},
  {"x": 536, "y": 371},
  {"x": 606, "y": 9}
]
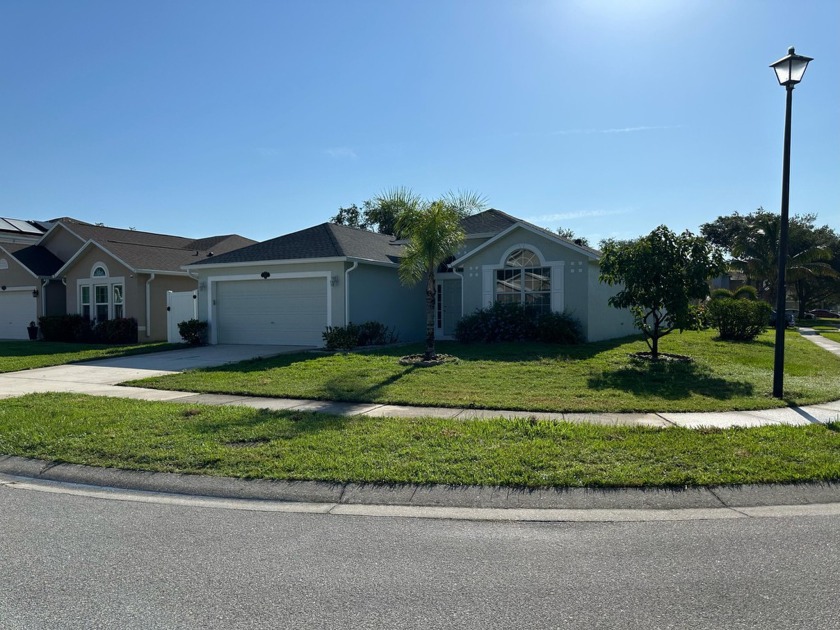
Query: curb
[{"x": 437, "y": 495}]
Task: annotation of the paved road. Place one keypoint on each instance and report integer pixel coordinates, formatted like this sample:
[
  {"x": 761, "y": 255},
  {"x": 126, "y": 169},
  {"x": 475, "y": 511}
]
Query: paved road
[{"x": 77, "y": 562}]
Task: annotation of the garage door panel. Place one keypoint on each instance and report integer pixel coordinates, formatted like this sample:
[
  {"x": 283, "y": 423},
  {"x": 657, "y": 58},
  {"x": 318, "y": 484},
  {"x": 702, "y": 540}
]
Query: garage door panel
[
  {"x": 17, "y": 309},
  {"x": 286, "y": 311}
]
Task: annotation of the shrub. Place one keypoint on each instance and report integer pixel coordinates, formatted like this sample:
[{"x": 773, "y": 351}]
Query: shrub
[
  {"x": 341, "y": 337},
  {"x": 77, "y": 329},
  {"x": 65, "y": 328},
  {"x": 721, "y": 293},
  {"x": 375, "y": 333},
  {"x": 193, "y": 331},
  {"x": 120, "y": 330},
  {"x": 517, "y": 322},
  {"x": 352, "y": 335},
  {"x": 698, "y": 317},
  {"x": 746, "y": 292},
  {"x": 739, "y": 319},
  {"x": 558, "y": 328}
]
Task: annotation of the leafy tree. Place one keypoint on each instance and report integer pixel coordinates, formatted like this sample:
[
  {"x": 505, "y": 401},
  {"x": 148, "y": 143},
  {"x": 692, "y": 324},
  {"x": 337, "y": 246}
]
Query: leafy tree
[
  {"x": 433, "y": 232},
  {"x": 380, "y": 214},
  {"x": 569, "y": 235},
  {"x": 660, "y": 274},
  {"x": 351, "y": 216},
  {"x": 753, "y": 241}
]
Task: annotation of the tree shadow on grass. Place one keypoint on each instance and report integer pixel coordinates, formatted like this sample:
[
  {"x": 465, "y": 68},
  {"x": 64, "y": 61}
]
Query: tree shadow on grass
[
  {"x": 750, "y": 342},
  {"x": 261, "y": 426},
  {"x": 670, "y": 381},
  {"x": 531, "y": 350},
  {"x": 353, "y": 388}
]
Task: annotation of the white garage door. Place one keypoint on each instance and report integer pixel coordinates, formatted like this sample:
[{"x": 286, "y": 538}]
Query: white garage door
[
  {"x": 283, "y": 312},
  {"x": 17, "y": 309}
]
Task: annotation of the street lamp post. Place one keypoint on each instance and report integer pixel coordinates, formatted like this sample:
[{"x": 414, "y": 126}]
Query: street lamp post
[{"x": 789, "y": 72}]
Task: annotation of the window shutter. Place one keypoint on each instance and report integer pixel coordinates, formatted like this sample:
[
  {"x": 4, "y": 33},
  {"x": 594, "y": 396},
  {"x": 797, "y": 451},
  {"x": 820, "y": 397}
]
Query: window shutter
[
  {"x": 558, "y": 281},
  {"x": 487, "y": 286}
]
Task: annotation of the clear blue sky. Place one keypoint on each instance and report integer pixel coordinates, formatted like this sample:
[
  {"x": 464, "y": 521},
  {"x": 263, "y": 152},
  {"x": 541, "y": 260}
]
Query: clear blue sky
[{"x": 263, "y": 117}]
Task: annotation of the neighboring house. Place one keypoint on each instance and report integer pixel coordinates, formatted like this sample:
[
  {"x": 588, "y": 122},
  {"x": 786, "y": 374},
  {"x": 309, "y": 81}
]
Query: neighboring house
[
  {"x": 99, "y": 272},
  {"x": 19, "y": 231},
  {"x": 289, "y": 289}
]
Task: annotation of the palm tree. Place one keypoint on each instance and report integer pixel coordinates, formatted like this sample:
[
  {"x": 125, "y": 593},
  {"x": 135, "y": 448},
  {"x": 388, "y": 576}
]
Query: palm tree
[
  {"x": 433, "y": 233},
  {"x": 757, "y": 255}
]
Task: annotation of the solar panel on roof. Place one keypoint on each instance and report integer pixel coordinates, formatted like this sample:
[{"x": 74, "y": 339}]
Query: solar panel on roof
[
  {"x": 23, "y": 226},
  {"x": 5, "y": 225}
]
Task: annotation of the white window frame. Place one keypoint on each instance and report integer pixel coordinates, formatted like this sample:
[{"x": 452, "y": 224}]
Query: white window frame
[
  {"x": 557, "y": 268},
  {"x": 97, "y": 281}
]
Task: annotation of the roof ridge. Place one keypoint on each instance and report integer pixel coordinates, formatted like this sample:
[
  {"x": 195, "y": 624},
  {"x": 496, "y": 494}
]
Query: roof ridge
[{"x": 338, "y": 248}]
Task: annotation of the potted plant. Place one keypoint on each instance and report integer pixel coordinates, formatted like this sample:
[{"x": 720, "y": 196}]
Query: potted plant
[{"x": 32, "y": 329}]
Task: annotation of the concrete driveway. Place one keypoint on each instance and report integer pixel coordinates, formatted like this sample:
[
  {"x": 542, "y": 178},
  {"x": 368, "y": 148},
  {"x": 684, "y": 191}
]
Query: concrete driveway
[{"x": 100, "y": 377}]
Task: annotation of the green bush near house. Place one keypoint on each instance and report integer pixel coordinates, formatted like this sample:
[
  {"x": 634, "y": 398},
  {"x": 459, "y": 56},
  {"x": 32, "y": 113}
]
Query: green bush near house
[
  {"x": 119, "y": 330},
  {"x": 518, "y": 322},
  {"x": 352, "y": 335},
  {"x": 77, "y": 329},
  {"x": 193, "y": 331},
  {"x": 66, "y": 328}
]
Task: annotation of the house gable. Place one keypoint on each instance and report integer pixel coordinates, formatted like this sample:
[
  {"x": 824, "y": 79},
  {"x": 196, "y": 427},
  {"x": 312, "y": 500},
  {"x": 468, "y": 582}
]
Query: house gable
[
  {"x": 12, "y": 270},
  {"x": 533, "y": 233},
  {"x": 61, "y": 241}
]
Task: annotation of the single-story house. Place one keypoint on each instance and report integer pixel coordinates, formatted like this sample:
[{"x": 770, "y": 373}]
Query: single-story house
[
  {"x": 289, "y": 289},
  {"x": 99, "y": 272}
]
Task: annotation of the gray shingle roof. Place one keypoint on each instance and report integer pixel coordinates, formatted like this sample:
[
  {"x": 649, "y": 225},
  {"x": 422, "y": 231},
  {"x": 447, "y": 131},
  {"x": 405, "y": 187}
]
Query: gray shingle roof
[
  {"x": 157, "y": 252},
  {"x": 326, "y": 240},
  {"x": 488, "y": 222}
]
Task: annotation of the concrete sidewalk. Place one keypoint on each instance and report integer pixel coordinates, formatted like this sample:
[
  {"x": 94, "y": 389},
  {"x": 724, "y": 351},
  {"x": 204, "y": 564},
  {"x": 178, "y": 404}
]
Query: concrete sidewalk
[
  {"x": 98, "y": 381},
  {"x": 101, "y": 378}
]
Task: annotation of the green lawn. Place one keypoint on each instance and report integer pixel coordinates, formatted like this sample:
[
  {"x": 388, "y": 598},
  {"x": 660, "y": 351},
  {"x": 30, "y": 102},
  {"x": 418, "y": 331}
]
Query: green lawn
[
  {"x": 598, "y": 377},
  {"x": 25, "y": 355},
  {"x": 250, "y": 443}
]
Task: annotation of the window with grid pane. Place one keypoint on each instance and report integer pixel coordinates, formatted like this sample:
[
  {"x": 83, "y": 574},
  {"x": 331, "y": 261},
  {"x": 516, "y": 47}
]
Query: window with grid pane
[{"x": 523, "y": 281}]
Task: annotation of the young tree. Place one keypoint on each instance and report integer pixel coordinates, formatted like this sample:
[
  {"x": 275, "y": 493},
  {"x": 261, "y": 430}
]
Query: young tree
[
  {"x": 660, "y": 274},
  {"x": 433, "y": 232}
]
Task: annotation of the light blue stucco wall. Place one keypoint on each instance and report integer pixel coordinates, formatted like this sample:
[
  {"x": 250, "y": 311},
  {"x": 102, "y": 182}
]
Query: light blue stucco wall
[
  {"x": 376, "y": 293},
  {"x": 606, "y": 322},
  {"x": 574, "y": 273},
  {"x": 573, "y": 280}
]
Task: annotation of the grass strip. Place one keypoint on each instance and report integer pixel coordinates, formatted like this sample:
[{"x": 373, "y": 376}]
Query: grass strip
[
  {"x": 249, "y": 443},
  {"x": 27, "y": 355},
  {"x": 595, "y": 377}
]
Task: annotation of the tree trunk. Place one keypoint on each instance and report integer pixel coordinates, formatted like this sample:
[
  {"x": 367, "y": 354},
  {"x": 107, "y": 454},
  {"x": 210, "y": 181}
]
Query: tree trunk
[
  {"x": 430, "y": 317},
  {"x": 654, "y": 349}
]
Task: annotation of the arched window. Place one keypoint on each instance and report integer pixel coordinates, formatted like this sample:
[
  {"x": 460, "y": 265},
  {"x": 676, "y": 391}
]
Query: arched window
[
  {"x": 524, "y": 281},
  {"x": 99, "y": 272}
]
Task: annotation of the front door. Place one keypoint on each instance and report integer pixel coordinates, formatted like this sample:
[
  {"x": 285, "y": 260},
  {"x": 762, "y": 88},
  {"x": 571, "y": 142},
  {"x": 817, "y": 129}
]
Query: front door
[{"x": 447, "y": 308}]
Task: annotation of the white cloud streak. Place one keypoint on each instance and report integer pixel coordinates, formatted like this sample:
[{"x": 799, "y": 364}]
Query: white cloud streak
[
  {"x": 341, "y": 153},
  {"x": 577, "y": 214},
  {"x": 612, "y": 130}
]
